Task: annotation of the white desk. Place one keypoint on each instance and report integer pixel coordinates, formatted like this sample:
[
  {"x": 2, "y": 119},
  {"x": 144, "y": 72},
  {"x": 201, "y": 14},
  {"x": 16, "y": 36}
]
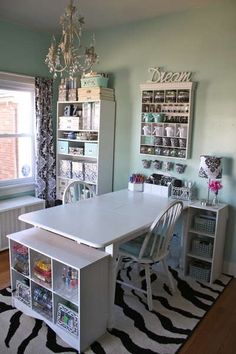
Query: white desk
[{"x": 103, "y": 221}]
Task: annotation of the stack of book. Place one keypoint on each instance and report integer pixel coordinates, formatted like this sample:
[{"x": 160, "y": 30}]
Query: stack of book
[{"x": 87, "y": 94}]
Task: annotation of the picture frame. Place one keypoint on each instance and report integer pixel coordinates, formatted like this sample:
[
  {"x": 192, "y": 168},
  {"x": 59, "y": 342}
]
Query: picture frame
[
  {"x": 23, "y": 292},
  {"x": 67, "y": 319}
]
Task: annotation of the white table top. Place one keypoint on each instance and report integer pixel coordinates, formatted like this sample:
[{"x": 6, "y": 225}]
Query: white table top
[{"x": 102, "y": 220}]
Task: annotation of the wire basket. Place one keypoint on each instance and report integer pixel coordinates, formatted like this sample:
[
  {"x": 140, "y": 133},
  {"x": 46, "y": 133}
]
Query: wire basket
[
  {"x": 204, "y": 224},
  {"x": 181, "y": 193},
  {"x": 202, "y": 247},
  {"x": 200, "y": 271}
]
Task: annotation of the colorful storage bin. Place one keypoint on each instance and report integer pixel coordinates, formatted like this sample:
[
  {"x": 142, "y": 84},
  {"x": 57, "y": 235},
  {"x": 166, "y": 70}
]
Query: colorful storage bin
[
  {"x": 62, "y": 147},
  {"x": 91, "y": 149}
]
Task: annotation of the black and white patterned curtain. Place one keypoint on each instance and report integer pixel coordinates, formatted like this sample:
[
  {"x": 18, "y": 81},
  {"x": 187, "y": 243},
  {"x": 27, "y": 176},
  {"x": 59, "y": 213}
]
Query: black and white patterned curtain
[{"x": 45, "y": 154}]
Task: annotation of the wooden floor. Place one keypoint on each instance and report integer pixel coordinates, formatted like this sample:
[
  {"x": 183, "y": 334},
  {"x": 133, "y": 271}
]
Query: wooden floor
[{"x": 215, "y": 335}]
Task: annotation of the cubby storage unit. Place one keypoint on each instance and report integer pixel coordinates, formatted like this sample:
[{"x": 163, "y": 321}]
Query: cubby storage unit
[
  {"x": 166, "y": 119},
  {"x": 204, "y": 241},
  {"x": 61, "y": 282},
  {"x": 85, "y": 139}
]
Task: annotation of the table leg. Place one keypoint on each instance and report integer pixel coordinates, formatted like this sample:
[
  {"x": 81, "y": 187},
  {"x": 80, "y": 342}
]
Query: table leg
[{"x": 113, "y": 251}]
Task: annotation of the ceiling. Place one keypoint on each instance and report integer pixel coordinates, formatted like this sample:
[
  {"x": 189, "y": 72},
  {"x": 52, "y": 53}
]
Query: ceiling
[{"x": 44, "y": 15}]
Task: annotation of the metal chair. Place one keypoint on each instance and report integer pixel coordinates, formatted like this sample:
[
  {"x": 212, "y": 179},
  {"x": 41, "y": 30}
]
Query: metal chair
[
  {"x": 76, "y": 191},
  {"x": 152, "y": 247}
]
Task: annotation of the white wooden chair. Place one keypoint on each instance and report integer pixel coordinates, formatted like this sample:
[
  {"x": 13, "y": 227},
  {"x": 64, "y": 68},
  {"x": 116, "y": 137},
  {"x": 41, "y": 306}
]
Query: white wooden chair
[
  {"x": 76, "y": 191},
  {"x": 152, "y": 247}
]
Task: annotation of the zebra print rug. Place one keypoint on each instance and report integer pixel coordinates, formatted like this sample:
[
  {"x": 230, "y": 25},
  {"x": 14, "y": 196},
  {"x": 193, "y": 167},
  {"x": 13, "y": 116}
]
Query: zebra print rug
[{"x": 136, "y": 330}]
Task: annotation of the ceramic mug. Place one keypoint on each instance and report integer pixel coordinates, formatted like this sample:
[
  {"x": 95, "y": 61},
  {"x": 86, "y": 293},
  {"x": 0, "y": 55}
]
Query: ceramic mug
[
  {"x": 158, "y": 140},
  {"x": 157, "y": 164},
  {"x": 158, "y": 131},
  {"x": 182, "y": 132},
  {"x": 146, "y": 163},
  {"x": 169, "y": 131},
  {"x": 158, "y": 117},
  {"x": 168, "y": 166},
  {"x": 180, "y": 168}
]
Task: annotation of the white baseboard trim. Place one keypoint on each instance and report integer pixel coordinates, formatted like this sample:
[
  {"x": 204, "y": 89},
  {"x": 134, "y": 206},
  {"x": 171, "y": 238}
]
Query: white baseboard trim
[{"x": 229, "y": 268}]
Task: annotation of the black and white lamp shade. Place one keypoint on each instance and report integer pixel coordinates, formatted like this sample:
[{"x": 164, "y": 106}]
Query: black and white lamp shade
[{"x": 210, "y": 167}]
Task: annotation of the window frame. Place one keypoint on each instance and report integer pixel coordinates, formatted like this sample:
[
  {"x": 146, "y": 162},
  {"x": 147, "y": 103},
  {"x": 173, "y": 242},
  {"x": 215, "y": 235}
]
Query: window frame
[{"x": 15, "y": 82}]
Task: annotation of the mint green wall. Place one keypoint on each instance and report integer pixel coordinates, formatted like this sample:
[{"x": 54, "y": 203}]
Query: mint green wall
[
  {"x": 23, "y": 52},
  {"x": 202, "y": 41}
]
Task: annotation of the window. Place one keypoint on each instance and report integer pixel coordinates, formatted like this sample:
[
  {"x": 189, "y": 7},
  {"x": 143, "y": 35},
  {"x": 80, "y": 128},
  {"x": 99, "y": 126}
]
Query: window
[{"x": 17, "y": 133}]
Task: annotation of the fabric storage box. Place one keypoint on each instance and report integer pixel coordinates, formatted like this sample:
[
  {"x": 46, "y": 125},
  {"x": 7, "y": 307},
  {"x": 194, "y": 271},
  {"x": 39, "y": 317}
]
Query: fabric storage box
[
  {"x": 91, "y": 149},
  {"x": 162, "y": 191},
  {"x": 62, "y": 147},
  {"x": 94, "y": 81},
  {"x": 200, "y": 271},
  {"x": 71, "y": 123},
  {"x": 90, "y": 172},
  {"x": 65, "y": 168},
  {"x": 202, "y": 247},
  {"x": 78, "y": 170},
  {"x": 204, "y": 223},
  {"x": 78, "y": 151}
]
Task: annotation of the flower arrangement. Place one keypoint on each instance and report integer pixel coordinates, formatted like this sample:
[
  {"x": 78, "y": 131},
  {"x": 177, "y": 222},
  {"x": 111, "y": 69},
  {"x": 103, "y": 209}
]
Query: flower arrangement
[{"x": 215, "y": 186}]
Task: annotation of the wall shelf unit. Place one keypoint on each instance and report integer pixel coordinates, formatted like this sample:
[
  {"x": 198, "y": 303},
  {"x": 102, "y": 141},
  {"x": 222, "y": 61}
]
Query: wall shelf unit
[
  {"x": 166, "y": 119},
  {"x": 85, "y": 143},
  {"x": 61, "y": 282}
]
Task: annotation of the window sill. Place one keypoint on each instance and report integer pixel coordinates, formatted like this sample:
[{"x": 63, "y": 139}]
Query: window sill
[{"x": 16, "y": 189}]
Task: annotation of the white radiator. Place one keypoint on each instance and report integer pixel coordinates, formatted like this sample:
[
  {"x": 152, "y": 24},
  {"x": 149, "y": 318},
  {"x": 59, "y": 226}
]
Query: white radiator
[{"x": 10, "y": 210}]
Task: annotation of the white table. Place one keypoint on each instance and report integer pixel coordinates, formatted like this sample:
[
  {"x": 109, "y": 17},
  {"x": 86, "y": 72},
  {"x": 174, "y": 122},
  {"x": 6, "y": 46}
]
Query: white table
[{"x": 104, "y": 221}]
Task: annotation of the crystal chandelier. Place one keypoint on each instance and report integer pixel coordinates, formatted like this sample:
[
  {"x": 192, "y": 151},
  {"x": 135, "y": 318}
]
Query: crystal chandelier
[{"x": 68, "y": 56}]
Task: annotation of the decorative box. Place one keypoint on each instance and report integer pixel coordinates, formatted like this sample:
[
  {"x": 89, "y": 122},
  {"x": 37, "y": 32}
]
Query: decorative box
[
  {"x": 181, "y": 193},
  {"x": 162, "y": 191},
  {"x": 70, "y": 123},
  {"x": 95, "y": 94},
  {"x": 67, "y": 319},
  {"x": 94, "y": 81},
  {"x": 23, "y": 292},
  {"x": 65, "y": 168},
  {"x": 62, "y": 147},
  {"x": 90, "y": 172},
  {"x": 91, "y": 149},
  {"x": 76, "y": 151},
  {"x": 78, "y": 170}
]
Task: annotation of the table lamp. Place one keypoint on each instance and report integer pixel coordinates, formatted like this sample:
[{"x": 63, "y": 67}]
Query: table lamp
[{"x": 211, "y": 168}]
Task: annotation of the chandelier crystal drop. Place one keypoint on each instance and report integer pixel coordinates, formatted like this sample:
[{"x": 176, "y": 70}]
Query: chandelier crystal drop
[{"x": 68, "y": 57}]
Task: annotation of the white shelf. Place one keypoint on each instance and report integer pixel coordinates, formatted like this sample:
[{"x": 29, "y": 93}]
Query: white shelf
[
  {"x": 100, "y": 114},
  {"x": 89, "y": 288},
  {"x": 152, "y": 106},
  {"x": 79, "y": 156},
  {"x": 193, "y": 231},
  {"x": 215, "y": 241},
  {"x": 201, "y": 258}
]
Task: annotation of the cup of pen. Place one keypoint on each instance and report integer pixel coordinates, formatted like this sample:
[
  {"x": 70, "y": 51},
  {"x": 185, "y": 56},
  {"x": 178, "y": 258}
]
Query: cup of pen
[{"x": 136, "y": 183}]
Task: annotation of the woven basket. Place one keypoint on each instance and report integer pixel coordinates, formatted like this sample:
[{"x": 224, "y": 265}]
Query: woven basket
[
  {"x": 202, "y": 247},
  {"x": 200, "y": 271},
  {"x": 204, "y": 224}
]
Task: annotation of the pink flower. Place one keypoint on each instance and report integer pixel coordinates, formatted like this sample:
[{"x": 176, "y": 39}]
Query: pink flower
[{"x": 214, "y": 186}]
